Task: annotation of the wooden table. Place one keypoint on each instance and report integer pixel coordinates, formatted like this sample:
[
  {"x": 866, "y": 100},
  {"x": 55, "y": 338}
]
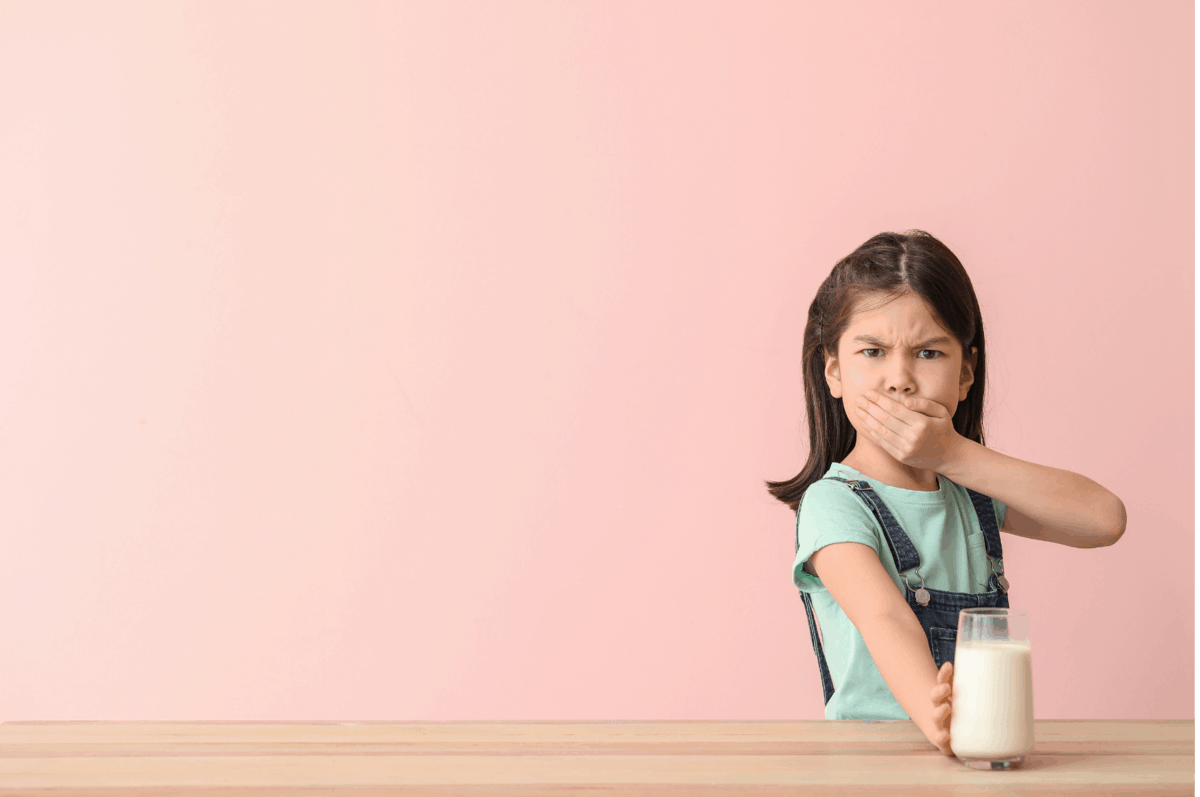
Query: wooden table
[{"x": 139, "y": 759}]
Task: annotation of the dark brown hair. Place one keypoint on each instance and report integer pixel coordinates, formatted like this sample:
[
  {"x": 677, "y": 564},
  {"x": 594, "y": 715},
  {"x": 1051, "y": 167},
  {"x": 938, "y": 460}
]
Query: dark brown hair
[{"x": 886, "y": 267}]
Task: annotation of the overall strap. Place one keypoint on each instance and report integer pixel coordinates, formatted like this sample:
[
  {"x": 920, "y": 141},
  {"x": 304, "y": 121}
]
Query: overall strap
[
  {"x": 986, "y": 512},
  {"x": 904, "y": 553},
  {"x": 822, "y": 665}
]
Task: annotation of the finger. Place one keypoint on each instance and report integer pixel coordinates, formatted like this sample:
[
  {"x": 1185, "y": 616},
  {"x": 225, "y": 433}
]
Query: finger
[
  {"x": 943, "y": 675},
  {"x": 898, "y": 405},
  {"x": 883, "y": 415},
  {"x": 870, "y": 414},
  {"x": 888, "y": 405},
  {"x": 879, "y": 432},
  {"x": 927, "y": 407},
  {"x": 899, "y": 409}
]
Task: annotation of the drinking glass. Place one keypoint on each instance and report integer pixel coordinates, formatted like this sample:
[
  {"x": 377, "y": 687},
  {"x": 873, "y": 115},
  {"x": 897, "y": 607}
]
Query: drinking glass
[{"x": 991, "y": 708}]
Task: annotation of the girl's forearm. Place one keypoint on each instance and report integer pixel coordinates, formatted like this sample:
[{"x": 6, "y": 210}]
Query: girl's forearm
[
  {"x": 901, "y": 652},
  {"x": 1073, "y": 509}
]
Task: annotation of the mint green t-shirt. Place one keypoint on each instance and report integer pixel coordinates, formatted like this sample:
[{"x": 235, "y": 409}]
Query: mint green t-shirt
[{"x": 946, "y": 532}]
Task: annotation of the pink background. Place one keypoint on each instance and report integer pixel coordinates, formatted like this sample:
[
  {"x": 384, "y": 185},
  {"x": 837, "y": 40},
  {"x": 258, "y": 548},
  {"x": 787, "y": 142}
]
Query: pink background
[{"x": 425, "y": 360}]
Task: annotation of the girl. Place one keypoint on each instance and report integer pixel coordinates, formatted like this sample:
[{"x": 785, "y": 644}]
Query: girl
[{"x": 900, "y": 529}]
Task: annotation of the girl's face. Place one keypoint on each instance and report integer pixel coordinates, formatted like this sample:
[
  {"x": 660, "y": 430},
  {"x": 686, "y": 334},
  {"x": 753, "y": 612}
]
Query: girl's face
[{"x": 898, "y": 350}]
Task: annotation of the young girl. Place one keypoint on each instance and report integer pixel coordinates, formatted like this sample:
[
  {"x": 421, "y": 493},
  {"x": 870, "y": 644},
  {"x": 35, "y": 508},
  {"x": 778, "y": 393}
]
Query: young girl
[{"x": 902, "y": 502}]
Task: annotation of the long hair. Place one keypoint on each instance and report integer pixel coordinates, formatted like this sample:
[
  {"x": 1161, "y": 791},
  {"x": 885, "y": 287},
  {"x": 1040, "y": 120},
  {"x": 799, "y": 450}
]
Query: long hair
[{"x": 886, "y": 267}]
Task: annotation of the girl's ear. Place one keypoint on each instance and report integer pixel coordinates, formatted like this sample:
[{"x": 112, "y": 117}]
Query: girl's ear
[
  {"x": 968, "y": 374},
  {"x": 833, "y": 376}
]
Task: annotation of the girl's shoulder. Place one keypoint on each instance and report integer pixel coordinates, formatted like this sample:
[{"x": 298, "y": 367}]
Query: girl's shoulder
[
  {"x": 831, "y": 512},
  {"x": 831, "y": 499},
  {"x": 822, "y": 490}
]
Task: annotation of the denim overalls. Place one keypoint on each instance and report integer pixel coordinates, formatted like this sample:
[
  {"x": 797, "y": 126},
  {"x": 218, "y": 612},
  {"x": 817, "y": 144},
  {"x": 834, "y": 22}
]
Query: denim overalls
[{"x": 939, "y": 615}]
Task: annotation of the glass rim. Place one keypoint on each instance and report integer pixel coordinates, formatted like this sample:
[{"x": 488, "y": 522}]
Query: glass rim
[{"x": 988, "y": 611}]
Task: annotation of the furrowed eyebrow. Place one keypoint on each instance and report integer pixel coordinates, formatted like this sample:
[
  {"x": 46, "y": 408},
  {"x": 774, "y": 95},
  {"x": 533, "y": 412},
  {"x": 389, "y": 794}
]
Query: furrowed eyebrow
[{"x": 874, "y": 341}]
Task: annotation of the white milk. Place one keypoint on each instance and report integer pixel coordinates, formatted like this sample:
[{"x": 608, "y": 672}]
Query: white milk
[{"x": 991, "y": 709}]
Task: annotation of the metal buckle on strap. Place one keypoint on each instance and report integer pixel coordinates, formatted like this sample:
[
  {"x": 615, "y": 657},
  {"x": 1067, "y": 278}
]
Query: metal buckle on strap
[
  {"x": 922, "y": 593},
  {"x": 999, "y": 576}
]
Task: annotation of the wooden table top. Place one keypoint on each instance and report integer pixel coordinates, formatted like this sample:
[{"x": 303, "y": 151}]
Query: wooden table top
[{"x": 1081, "y": 757}]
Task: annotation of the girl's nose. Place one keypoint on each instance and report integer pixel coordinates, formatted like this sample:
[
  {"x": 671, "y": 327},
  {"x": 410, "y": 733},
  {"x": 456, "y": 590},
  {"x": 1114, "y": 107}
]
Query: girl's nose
[{"x": 900, "y": 386}]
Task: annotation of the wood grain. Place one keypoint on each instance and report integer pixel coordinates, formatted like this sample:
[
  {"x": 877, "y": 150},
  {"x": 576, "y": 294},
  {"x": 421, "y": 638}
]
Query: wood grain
[{"x": 1111, "y": 757}]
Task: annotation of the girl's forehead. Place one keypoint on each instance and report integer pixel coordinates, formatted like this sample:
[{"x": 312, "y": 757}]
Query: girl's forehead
[{"x": 903, "y": 312}]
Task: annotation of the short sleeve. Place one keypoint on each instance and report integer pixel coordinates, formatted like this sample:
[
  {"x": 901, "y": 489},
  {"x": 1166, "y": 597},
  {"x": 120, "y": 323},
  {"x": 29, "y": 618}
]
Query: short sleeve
[
  {"x": 830, "y": 513},
  {"x": 1000, "y": 510}
]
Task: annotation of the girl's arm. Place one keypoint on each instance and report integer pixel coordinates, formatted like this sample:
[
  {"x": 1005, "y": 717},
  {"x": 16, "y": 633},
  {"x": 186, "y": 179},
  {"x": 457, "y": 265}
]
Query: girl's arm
[
  {"x": 1043, "y": 503},
  {"x": 900, "y": 650},
  {"x": 855, "y": 577}
]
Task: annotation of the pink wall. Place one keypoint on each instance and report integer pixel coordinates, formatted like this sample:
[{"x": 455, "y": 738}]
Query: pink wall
[{"x": 425, "y": 360}]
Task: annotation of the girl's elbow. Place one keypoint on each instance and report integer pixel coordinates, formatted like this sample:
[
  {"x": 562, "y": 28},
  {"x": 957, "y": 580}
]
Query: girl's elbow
[
  {"x": 1115, "y": 529},
  {"x": 1119, "y": 526}
]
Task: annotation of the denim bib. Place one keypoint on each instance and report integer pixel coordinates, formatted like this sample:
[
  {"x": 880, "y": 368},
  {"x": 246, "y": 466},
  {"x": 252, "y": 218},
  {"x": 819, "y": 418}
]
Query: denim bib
[{"x": 939, "y": 616}]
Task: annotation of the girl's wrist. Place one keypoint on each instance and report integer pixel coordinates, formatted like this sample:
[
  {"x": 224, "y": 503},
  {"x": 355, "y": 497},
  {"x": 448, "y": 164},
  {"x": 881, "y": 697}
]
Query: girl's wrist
[{"x": 956, "y": 459}]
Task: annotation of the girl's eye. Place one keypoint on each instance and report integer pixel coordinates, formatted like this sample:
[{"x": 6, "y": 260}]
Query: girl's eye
[{"x": 934, "y": 351}]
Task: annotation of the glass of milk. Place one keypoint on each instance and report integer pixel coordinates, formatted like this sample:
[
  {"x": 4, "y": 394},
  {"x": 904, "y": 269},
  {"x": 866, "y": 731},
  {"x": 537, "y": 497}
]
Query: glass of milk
[{"x": 991, "y": 703}]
